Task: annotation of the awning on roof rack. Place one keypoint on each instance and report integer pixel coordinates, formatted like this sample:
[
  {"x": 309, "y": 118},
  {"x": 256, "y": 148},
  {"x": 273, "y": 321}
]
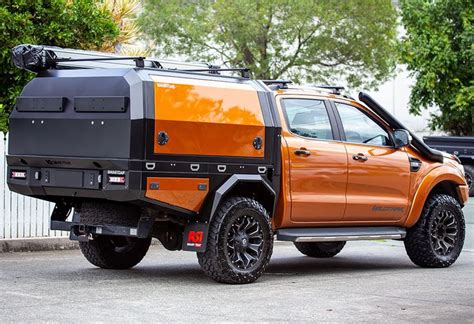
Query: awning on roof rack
[{"x": 38, "y": 58}]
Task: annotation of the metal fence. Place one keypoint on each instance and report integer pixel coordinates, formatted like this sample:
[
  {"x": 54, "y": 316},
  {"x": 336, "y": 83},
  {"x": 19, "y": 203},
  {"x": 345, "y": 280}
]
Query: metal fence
[{"x": 21, "y": 216}]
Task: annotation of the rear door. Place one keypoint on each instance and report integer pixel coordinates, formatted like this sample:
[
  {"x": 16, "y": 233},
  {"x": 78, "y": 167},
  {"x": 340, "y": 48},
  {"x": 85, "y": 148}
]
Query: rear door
[
  {"x": 379, "y": 174},
  {"x": 318, "y": 161}
]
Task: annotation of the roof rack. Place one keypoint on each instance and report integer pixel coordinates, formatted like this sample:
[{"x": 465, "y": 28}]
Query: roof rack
[
  {"x": 334, "y": 89},
  {"x": 277, "y": 84},
  {"x": 38, "y": 58},
  {"x": 212, "y": 69},
  {"x": 283, "y": 84}
]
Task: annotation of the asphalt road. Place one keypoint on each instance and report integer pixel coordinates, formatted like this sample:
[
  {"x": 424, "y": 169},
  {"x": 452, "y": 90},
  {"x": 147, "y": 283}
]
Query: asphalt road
[{"x": 368, "y": 281}]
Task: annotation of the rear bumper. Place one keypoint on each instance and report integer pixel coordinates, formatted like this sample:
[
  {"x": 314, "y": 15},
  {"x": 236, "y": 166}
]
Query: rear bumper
[
  {"x": 76, "y": 185},
  {"x": 48, "y": 183}
]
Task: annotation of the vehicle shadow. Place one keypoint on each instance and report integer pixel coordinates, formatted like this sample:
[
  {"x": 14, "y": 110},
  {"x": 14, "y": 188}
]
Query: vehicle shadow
[
  {"x": 294, "y": 266},
  {"x": 302, "y": 265}
]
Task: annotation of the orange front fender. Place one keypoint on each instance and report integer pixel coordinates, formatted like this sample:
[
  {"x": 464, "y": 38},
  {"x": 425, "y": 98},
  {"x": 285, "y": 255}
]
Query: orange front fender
[{"x": 434, "y": 177}]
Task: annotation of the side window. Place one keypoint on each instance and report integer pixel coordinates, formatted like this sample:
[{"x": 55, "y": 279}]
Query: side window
[
  {"x": 360, "y": 128},
  {"x": 308, "y": 118}
]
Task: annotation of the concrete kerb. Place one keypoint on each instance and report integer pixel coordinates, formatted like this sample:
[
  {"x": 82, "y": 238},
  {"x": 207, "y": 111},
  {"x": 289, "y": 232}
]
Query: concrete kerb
[
  {"x": 37, "y": 244},
  {"x": 42, "y": 244}
]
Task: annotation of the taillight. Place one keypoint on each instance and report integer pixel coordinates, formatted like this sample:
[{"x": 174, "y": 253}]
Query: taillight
[
  {"x": 116, "y": 177},
  {"x": 18, "y": 174}
]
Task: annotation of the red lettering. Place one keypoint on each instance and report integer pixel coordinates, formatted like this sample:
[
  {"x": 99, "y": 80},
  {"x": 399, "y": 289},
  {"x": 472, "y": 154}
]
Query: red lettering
[{"x": 195, "y": 237}]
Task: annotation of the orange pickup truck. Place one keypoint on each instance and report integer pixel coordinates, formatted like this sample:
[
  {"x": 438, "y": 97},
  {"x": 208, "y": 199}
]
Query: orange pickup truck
[{"x": 130, "y": 149}]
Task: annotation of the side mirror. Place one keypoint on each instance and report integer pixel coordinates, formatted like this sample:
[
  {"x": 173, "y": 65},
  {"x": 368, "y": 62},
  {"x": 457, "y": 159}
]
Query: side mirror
[{"x": 402, "y": 138}]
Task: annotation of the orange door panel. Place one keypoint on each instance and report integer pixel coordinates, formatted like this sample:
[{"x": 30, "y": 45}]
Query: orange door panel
[
  {"x": 212, "y": 118},
  {"x": 318, "y": 180},
  {"x": 378, "y": 183},
  {"x": 187, "y": 193}
]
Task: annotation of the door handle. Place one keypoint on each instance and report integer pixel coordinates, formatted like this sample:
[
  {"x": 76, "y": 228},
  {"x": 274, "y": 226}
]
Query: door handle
[
  {"x": 303, "y": 152},
  {"x": 360, "y": 157}
]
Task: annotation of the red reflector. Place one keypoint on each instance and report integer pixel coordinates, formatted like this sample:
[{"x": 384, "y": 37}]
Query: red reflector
[
  {"x": 19, "y": 174},
  {"x": 117, "y": 179}
]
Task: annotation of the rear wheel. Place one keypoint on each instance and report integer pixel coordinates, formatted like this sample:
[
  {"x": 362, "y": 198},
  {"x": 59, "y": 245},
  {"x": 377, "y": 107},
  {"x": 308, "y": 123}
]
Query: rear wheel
[
  {"x": 240, "y": 242},
  {"x": 437, "y": 238},
  {"x": 112, "y": 252},
  {"x": 320, "y": 249}
]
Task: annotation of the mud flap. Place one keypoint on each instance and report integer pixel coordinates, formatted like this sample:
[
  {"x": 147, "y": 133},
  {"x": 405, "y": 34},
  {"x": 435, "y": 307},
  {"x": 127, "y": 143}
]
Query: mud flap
[{"x": 195, "y": 237}]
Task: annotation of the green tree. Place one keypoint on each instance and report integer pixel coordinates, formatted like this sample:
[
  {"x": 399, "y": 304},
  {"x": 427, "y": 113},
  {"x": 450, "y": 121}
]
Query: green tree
[
  {"x": 64, "y": 23},
  {"x": 439, "y": 51},
  {"x": 315, "y": 41}
]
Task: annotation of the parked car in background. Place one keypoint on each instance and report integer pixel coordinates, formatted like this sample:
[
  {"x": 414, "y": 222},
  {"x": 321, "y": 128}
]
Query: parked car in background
[{"x": 460, "y": 146}]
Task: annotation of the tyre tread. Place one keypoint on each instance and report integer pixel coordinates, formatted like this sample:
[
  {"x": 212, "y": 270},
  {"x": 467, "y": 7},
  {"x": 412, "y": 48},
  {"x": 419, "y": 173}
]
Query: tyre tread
[
  {"x": 216, "y": 268},
  {"x": 417, "y": 241},
  {"x": 96, "y": 251}
]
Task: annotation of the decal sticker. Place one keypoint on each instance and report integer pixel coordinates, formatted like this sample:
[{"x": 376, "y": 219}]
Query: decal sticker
[{"x": 388, "y": 209}]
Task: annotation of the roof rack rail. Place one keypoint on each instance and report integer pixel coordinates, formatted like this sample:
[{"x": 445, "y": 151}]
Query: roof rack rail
[
  {"x": 139, "y": 60},
  {"x": 213, "y": 69},
  {"x": 277, "y": 84},
  {"x": 334, "y": 89}
]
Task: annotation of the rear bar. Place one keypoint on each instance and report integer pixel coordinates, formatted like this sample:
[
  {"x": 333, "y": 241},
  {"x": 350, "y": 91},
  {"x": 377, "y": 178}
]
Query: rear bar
[{"x": 84, "y": 232}]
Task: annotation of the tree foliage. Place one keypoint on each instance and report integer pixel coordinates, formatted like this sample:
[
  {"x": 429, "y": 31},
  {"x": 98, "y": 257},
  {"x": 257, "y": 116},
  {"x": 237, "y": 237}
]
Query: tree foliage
[
  {"x": 316, "y": 41},
  {"x": 64, "y": 23},
  {"x": 438, "y": 48},
  {"x": 124, "y": 14}
]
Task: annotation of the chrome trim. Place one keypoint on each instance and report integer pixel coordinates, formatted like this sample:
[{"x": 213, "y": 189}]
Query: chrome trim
[
  {"x": 150, "y": 165},
  {"x": 262, "y": 169}
]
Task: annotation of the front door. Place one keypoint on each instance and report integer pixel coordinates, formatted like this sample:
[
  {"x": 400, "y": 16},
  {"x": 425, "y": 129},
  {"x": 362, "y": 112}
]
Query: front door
[
  {"x": 318, "y": 162},
  {"x": 379, "y": 174}
]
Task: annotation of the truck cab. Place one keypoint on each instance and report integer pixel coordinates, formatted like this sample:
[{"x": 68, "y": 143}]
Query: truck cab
[{"x": 342, "y": 163}]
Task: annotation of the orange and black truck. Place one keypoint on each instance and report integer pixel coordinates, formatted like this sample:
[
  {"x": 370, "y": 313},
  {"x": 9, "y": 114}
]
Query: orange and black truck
[{"x": 131, "y": 149}]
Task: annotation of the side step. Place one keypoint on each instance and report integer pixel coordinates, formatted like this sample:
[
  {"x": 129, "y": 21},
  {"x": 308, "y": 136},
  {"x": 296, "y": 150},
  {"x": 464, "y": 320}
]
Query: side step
[{"x": 332, "y": 234}]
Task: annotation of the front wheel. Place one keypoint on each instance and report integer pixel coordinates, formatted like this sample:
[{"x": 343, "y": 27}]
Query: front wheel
[
  {"x": 469, "y": 173},
  {"x": 240, "y": 242},
  {"x": 437, "y": 238}
]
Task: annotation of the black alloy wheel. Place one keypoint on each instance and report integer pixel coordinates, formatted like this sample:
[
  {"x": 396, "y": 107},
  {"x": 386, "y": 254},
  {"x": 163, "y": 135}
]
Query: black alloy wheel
[
  {"x": 244, "y": 242},
  {"x": 240, "y": 242},
  {"x": 444, "y": 232}
]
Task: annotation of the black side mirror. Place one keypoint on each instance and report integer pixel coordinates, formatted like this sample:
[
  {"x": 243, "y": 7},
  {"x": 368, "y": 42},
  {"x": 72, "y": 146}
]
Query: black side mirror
[{"x": 402, "y": 138}]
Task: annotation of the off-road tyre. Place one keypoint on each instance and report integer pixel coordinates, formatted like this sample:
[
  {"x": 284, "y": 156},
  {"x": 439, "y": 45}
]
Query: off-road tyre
[
  {"x": 227, "y": 232},
  {"x": 112, "y": 252},
  {"x": 469, "y": 172},
  {"x": 320, "y": 249},
  {"x": 441, "y": 220}
]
